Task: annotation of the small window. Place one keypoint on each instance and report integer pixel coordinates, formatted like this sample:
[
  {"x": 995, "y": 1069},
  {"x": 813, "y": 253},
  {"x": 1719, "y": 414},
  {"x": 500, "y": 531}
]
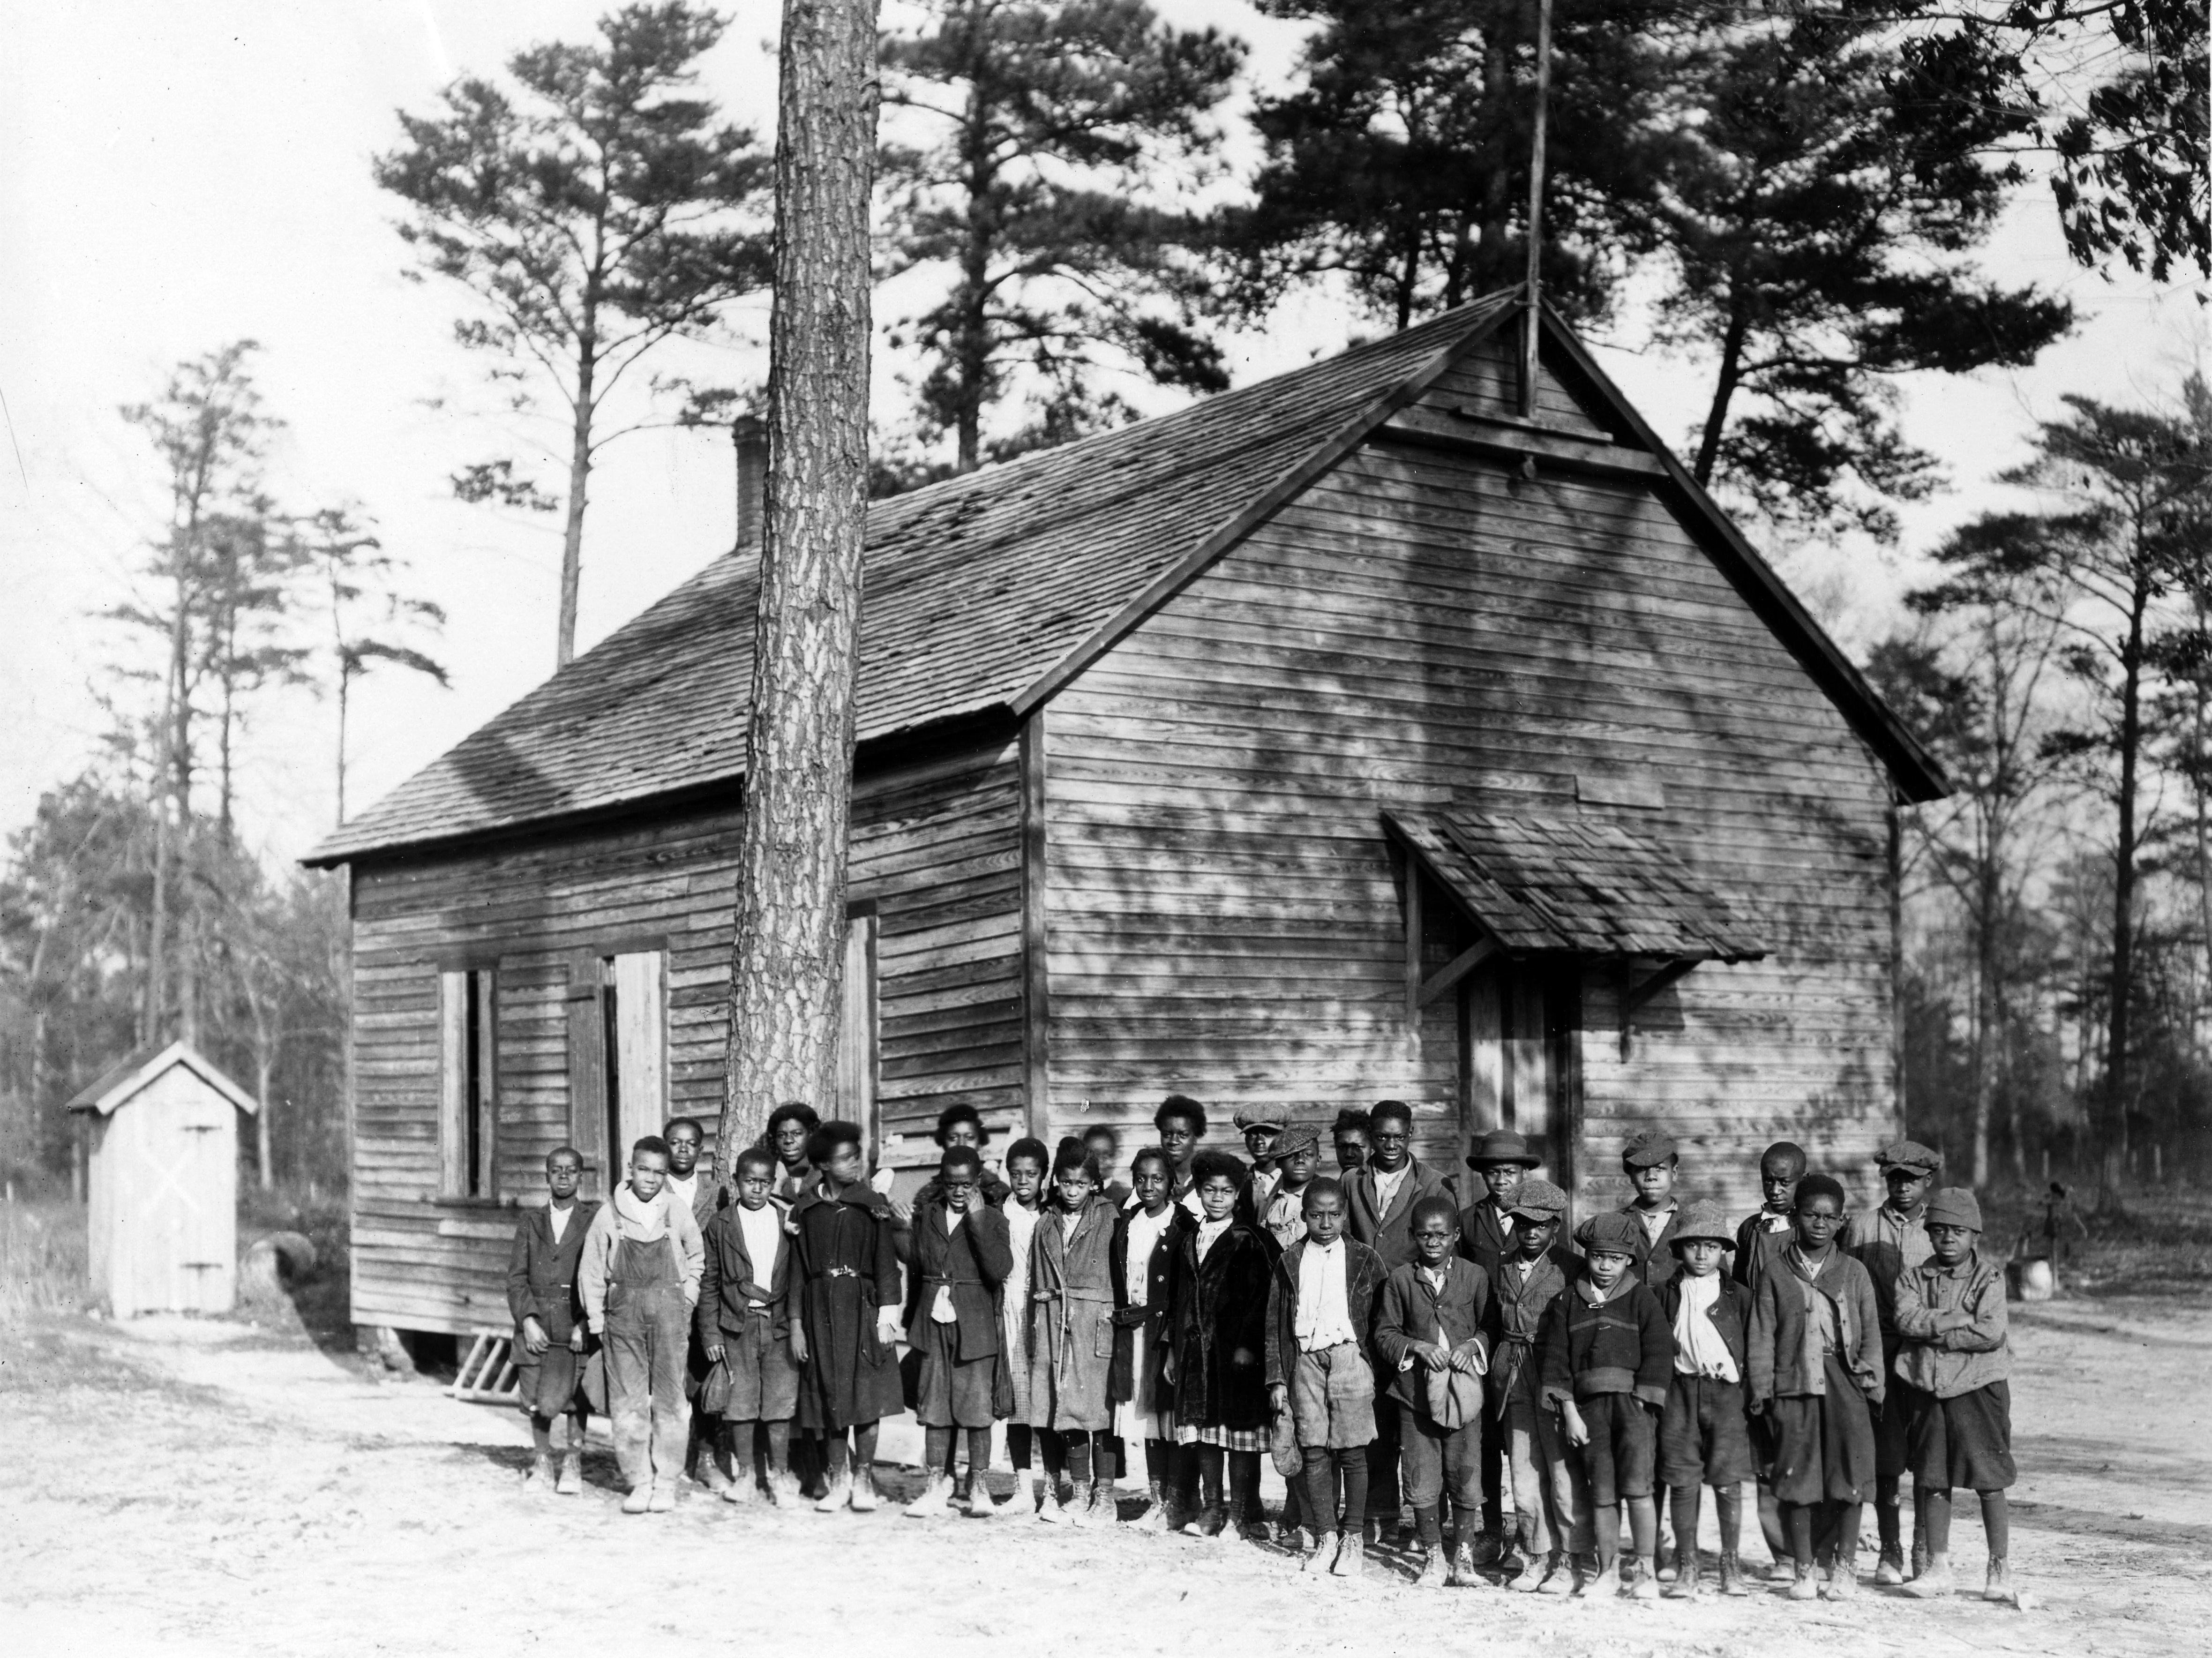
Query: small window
[{"x": 468, "y": 1130}]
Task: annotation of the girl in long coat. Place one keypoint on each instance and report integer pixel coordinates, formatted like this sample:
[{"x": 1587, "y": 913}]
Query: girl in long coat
[
  {"x": 1027, "y": 1165},
  {"x": 1220, "y": 1321},
  {"x": 1071, "y": 1338},
  {"x": 846, "y": 1281},
  {"x": 1147, "y": 1235}
]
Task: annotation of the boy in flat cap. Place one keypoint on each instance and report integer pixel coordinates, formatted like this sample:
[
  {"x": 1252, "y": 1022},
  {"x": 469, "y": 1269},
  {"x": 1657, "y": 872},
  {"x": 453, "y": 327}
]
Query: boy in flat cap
[
  {"x": 1651, "y": 1162},
  {"x": 1608, "y": 1359},
  {"x": 1502, "y": 1159},
  {"x": 1298, "y": 1159},
  {"x": 1889, "y": 1241},
  {"x": 1702, "y": 1439},
  {"x": 1528, "y": 1281},
  {"x": 1260, "y": 1130},
  {"x": 1815, "y": 1370},
  {"x": 1954, "y": 1370}
]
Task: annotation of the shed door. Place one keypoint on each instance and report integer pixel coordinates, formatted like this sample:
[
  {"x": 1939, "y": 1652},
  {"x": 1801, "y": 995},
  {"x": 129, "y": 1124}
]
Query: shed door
[{"x": 175, "y": 1197}]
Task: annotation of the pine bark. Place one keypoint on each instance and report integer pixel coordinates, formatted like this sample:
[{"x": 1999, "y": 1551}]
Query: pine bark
[{"x": 786, "y": 978}]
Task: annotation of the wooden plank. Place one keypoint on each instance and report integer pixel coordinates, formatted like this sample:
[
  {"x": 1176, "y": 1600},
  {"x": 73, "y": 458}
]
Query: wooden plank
[
  {"x": 1460, "y": 429},
  {"x": 1037, "y": 965}
]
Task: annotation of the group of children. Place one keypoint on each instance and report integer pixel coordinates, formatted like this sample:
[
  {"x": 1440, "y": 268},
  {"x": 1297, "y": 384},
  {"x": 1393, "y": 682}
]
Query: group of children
[{"x": 1393, "y": 1337}]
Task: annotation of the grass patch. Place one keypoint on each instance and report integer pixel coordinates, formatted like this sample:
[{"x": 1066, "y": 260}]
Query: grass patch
[{"x": 42, "y": 1259}]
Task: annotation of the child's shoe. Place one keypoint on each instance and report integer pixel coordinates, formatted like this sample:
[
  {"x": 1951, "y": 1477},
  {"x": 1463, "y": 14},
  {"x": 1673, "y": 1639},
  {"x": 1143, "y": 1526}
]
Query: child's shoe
[
  {"x": 1602, "y": 1584},
  {"x": 1684, "y": 1586},
  {"x": 1430, "y": 1574},
  {"x": 640, "y": 1498},
  {"x": 1934, "y": 1582},
  {"x": 980, "y": 1505},
  {"x": 1999, "y": 1585},
  {"x": 739, "y": 1491},
  {"x": 1806, "y": 1585},
  {"x": 1053, "y": 1512},
  {"x": 1663, "y": 1557},
  {"x": 1254, "y": 1528},
  {"x": 539, "y": 1480},
  {"x": 1842, "y": 1582},
  {"x": 864, "y": 1490},
  {"x": 1462, "y": 1574},
  {"x": 1536, "y": 1573},
  {"x": 838, "y": 1494},
  {"x": 1889, "y": 1570},
  {"x": 1561, "y": 1569},
  {"x": 663, "y": 1500},
  {"x": 1643, "y": 1581},
  {"x": 571, "y": 1475},
  {"x": 1317, "y": 1551},
  {"x": 1349, "y": 1555},
  {"x": 1732, "y": 1576},
  {"x": 1212, "y": 1520},
  {"x": 710, "y": 1474},
  {"x": 1489, "y": 1548},
  {"x": 783, "y": 1489},
  {"x": 1917, "y": 1560},
  {"x": 1091, "y": 1506},
  {"x": 930, "y": 1505}
]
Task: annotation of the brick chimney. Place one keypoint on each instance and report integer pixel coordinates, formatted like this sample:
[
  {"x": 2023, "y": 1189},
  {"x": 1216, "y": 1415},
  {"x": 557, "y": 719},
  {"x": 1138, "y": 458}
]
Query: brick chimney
[{"x": 749, "y": 434}]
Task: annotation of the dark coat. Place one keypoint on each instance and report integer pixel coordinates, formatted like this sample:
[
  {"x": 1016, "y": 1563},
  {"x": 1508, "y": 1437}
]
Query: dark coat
[
  {"x": 1390, "y": 1236},
  {"x": 973, "y": 1261},
  {"x": 1623, "y": 1344},
  {"x": 1730, "y": 1316},
  {"x": 1159, "y": 1297},
  {"x": 1220, "y": 1312},
  {"x": 1363, "y": 1277},
  {"x": 1517, "y": 1313},
  {"x": 728, "y": 1282},
  {"x": 847, "y": 1267},
  {"x": 1655, "y": 1257},
  {"x": 1757, "y": 1249},
  {"x": 541, "y": 1275},
  {"x": 1412, "y": 1311},
  {"x": 1777, "y": 1329},
  {"x": 1484, "y": 1238}
]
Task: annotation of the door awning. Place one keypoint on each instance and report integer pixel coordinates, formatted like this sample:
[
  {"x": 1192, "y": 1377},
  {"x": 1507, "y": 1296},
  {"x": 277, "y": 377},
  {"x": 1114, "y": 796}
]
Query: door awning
[{"x": 1581, "y": 886}]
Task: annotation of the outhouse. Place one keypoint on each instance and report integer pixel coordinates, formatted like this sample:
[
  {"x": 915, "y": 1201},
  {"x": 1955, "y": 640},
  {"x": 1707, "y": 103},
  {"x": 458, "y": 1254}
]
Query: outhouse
[{"x": 164, "y": 1182}]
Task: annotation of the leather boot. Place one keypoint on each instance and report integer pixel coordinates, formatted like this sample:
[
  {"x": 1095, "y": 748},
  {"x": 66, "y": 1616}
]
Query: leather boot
[
  {"x": 663, "y": 1500},
  {"x": 1320, "y": 1551},
  {"x": 1998, "y": 1587},
  {"x": 783, "y": 1489},
  {"x": 1889, "y": 1570},
  {"x": 1540, "y": 1568},
  {"x": 1155, "y": 1516},
  {"x": 1490, "y": 1547},
  {"x": 1806, "y": 1585},
  {"x": 572, "y": 1473},
  {"x": 864, "y": 1490},
  {"x": 1462, "y": 1574},
  {"x": 1732, "y": 1576},
  {"x": 640, "y": 1498},
  {"x": 1684, "y": 1586},
  {"x": 930, "y": 1505},
  {"x": 1934, "y": 1582},
  {"x": 541, "y": 1476},
  {"x": 838, "y": 1494},
  {"x": 1351, "y": 1558},
  {"x": 1431, "y": 1572},
  {"x": 1213, "y": 1515}
]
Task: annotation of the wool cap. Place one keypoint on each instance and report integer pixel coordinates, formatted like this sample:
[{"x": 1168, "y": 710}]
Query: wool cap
[
  {"x": 1611, "y": 1233},
  {"x": 1703, "y": 1220},
  {"x": 1646, "y": 1147},
  {"x": 1910, "y": 1154},
  {"x": 1248, "y": 1120},
  {"x": 1538, "y": 1199},
  {"x": 1298, "y": 1136},
  {"x": 1953, "y": 1206},
  {"x": 1501, "y": 1146}
]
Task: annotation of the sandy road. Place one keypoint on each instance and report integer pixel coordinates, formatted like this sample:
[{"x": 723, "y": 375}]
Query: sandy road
[{"x": 177, "y": 1489}]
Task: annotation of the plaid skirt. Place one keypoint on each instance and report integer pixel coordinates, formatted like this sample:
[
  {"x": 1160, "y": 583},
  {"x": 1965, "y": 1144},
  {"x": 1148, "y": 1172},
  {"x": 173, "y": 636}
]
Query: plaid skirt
[{"x": 1229, "y": 1439}]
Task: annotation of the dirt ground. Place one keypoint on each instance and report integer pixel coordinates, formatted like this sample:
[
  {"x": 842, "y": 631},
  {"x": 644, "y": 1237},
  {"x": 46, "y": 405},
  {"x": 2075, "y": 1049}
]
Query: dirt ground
[{"x": 177, "y": 1487}]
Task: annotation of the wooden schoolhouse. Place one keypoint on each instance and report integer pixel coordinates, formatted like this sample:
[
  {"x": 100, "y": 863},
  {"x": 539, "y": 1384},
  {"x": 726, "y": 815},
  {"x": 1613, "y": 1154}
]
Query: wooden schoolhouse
[{"x": 1353, "y": 735}]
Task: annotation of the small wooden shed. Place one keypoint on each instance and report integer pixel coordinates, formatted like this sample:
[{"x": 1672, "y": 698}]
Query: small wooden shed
[
  {"x": 1348, "y": 736},
  {"x": 164, "y": 1186}
]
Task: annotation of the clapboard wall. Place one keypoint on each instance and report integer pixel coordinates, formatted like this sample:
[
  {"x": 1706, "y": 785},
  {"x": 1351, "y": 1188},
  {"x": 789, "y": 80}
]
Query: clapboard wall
[
  {"x": 1421, "y": 627},
  {"x": 936, "y": 851}
]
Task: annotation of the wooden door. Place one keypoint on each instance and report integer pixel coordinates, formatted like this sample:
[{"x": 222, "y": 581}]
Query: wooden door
[{"x": 171, "y": 1156}]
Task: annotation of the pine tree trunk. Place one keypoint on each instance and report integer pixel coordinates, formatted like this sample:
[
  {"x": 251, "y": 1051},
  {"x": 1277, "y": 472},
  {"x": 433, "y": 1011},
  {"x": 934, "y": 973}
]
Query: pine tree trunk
[
  {"x": 2117, "y": 1083},
  {"x": 789, "y": 950},
  {"x": 1724, "y": 385},
  {"x": 579, "y": 478}
]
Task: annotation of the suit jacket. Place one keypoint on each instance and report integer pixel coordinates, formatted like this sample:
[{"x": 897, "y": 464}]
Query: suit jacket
[
  {"x": 1411, "y": 1311},
  {"x": 972, "y": 1261},
  {"x": 1730, "y": 1316},
  {"x": 1757, "y": 1249},
  {"x": 1777, "y": 1329},
  {"x": 730, "y": 1279},
  {"x": 1517, "y": 1309},
  {"x": 1389, "y": 1235},
  {"x": 541, "y": 1275},
  {"x": 1220, "y": 1311},
  {"x": 1655, "y": 1257},
  {"x": 708, "y": 1197},
  {"x": 1888, "y": 1245},
  {"x": 1363, "y": 1277},
  {"x": 1486, "y": 1237}
]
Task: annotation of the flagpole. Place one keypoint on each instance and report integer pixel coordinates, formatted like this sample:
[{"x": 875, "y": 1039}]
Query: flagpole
[{"x": 1531, "y": 319}]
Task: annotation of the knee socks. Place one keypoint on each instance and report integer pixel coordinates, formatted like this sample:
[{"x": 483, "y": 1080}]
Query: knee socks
[
  {"x": 1771, "y": 1527},
  {"x": 937, "y": 1450},
  {"x": 1206, "y": 1459},
  {"x": 1997, "y": 1524},
  {"x": 1319, "y": 1479},
  {"x": 1644, "y": 1527},
  {"x": 1843, "y": 1526},
  {"x": 1888, "y": 1519},
  {"x": 861, "y": 1460},
  {"x": 1935, "y": 1522},
  {"x": 1018, "y": 1446},
  {"x": 1244, "y": 1483},
  {"x": 1052, "y": 1449},
  {"x": 1682, "y": 1514},
  {"x": 1352, "y": 1469},
  {"x": 1605, "y": 1526},
  {"x": 1078, "y": 1453},
  {"x": 779, "y": 1447},
  {"x": 1159, "y": 1462},
  {"x": 1798, "y": 1520},
  {"x": 1728, "y": 1503}
]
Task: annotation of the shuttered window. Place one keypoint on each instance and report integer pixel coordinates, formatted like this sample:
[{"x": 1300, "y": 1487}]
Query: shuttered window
[
  {"x": 617, "y": 1057},
  {"x": 468, "y": 1065}
]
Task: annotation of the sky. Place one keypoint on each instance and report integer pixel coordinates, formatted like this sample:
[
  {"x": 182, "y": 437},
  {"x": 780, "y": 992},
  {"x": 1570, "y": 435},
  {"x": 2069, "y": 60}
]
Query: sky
[{"x": 173, "y": 178}]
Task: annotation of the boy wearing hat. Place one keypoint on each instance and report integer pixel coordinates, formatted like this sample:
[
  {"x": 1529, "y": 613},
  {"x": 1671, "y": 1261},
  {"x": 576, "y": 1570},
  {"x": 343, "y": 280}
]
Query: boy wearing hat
[
  {"x": 1650, "y": 1162},
  {"x": 1608, "y": 1359},
  {"x": 1702, "y": 1439},
  {"x": 1502, "y": 1159},
  {"x": 1816, "y": 1367},
  {"x": 1298, "y": 1159},
  {"x": 1260, "y": 1130},
  {"x": 1954, "y": 1369},
  {"x": 1528, "y": 1281},
  {"x": 1889, "y": 1241}
]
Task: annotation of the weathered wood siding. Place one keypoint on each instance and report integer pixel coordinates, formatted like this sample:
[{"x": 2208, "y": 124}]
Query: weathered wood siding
[
  {"x": 1420, "y": 627},
  {"x": 935, "y": 848}
]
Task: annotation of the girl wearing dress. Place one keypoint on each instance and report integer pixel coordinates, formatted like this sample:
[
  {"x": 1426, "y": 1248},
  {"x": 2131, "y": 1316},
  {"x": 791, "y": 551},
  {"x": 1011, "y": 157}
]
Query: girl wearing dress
[
  {"x": 1147, "y": 1231},
  {"x": 1072, "y": 1339},
  {"x": 1026, "y": 1163},
  {"x": 1219, "y": 1376}
]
